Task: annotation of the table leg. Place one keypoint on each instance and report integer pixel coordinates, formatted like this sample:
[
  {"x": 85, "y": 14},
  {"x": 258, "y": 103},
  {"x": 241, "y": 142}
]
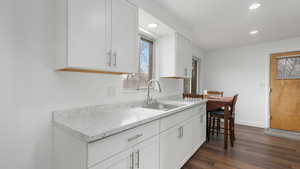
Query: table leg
[
  {"x": 226, "y": 111},
  {"x": 207, "y": 126}
]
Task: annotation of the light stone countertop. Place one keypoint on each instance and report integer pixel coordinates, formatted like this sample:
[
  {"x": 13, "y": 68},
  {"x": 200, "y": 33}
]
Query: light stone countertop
[{"x": 97, "y": 122}]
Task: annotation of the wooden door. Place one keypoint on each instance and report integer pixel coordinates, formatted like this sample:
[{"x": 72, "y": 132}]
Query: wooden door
[{"x": 284, "y": 97}]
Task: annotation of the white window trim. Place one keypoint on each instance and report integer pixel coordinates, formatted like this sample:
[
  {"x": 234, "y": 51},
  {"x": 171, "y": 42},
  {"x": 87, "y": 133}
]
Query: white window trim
[{"x": 154, "y": 63}]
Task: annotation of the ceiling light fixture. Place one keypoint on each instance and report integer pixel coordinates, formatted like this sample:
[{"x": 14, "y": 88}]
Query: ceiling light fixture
[
  {"x": 152, "y": 25},
  {"x": 254, "y": 6},
  {"x": 254, "y": 32}
]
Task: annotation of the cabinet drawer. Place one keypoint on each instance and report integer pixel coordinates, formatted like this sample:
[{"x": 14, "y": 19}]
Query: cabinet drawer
[
  {"x": 173, "y": 120},
  {"x": 103, "y": 149}
]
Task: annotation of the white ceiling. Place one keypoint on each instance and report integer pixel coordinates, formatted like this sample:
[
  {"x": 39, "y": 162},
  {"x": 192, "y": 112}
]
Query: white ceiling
[
  {"x": 145, "y": 19},
  {"x": 227, "y": 23}
]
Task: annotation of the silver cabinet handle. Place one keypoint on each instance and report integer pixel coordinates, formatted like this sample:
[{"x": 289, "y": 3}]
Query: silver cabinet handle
[
  {"x": 201, "y": 118},
  {"x": 137, "y": 164},
  {"x": 115, "y": 57},
  {"x": 179, "y": 132},
  {"x": 135, "y": 137},
  {"x": 131, "y": 161},
  {"x": 182, "y": 131},
  {"x": 109, "y": 58}
]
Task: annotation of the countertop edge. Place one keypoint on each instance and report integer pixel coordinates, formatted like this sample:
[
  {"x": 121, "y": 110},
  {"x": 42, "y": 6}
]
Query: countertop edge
[{"x": 111, "y": 132}]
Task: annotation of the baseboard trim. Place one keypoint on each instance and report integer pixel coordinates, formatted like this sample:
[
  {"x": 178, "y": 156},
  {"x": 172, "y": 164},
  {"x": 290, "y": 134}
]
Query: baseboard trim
[
  {"x": 253, "y": 124},
  {"x": 283, "y": 133}
]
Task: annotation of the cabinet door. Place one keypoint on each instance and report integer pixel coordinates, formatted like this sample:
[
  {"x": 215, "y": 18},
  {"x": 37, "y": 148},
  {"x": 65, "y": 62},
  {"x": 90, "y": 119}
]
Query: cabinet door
[
  {"x": 189, "y": 57},
  {"x": 203, "y": 127},
  {"x": 197, "y": 132},
  {"x": 180, "y": 56},
  {"x": 124, "y": 160},
  {"x": 124, "y": 36},
  {"x": 171, "y": 148},
  {"x": 87, "y": 34},
  {"x": 147, "y": 154},
  {"x": 190, "y": 138}
]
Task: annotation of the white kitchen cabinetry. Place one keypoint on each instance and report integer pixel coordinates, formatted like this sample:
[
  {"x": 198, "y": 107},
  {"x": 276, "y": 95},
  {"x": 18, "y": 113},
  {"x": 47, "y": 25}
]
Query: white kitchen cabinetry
[
  {"x": 175, "y": 56},
  {"x": 165, "y": 143},
  {"x": 99, "y": 35},
  {"x": 141, "y": 156},
  {"x": 180, "y": 142},
  {"x": 124, "y": 36},
  {"x": 171, "y": 148},
  {"x": 146, "y": 154},
  {"x": 123, "y": 160}
]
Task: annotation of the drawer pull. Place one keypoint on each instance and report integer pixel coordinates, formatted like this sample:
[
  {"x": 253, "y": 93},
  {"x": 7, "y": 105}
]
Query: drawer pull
[
  {"x": 137, "y": 159},
  {"x": 131, "y": 161},
  {"x": 135, "y": 137}
]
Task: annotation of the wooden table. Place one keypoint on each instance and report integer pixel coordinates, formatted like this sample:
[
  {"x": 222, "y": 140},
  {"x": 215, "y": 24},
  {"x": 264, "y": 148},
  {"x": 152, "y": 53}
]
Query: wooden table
[{"x": 215, "y": 103}]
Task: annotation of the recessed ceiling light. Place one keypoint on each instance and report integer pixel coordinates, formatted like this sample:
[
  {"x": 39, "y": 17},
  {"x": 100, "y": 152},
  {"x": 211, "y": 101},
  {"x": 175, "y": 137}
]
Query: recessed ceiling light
[
  {"x": 254, "y": 6},
  {"x": 152, "y": 25},
  {"x": 254, "y": 32}
]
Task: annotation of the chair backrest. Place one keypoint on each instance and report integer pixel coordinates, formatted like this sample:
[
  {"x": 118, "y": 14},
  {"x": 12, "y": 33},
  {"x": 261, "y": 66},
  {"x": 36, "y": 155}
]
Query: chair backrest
[
  {"x": 188, "y": 95},
  {"x": 215, "y": 93},
  {"x": 232, "y": 106}
]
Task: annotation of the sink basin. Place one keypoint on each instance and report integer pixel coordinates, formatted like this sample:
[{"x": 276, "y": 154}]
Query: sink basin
[{"x": 160, "y": 106}]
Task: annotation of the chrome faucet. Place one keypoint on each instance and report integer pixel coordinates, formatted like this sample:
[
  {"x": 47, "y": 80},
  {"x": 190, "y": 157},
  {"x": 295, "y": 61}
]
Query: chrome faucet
[{"x": 149, "y": 98}]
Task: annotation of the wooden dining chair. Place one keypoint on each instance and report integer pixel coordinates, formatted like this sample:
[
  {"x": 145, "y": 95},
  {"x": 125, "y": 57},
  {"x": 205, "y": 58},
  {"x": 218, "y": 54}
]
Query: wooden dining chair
[
  {"x": 216, "y": 116},
  {"x": 189, "y": 95},
  {"x": 215, "y": 93}
]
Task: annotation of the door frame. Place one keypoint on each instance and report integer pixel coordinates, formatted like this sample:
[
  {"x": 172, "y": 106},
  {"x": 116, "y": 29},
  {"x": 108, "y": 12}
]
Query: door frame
[
  {"x": 268, "y": 120},
  {"x": 199, "y": 75}
]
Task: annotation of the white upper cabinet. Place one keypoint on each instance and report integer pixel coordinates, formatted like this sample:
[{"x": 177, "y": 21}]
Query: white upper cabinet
[
  {"x": 175, "y": 56},
  {"x": 98, "y": 35},
  {"x": 124, "y": 36},
  {"x": 87, "y": 34}
]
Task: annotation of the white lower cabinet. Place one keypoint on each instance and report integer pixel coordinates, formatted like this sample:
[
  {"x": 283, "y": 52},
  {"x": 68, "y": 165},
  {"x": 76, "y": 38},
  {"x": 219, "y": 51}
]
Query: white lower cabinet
[
  {"x": 165, "y": 143},
  {"x": 142, "y": 156},
  {"x": 171, "y": 148},
  {"x": 147, "y": 154},
  {"x": 179, "y": 143},
  {"x": 121, "y": 161}
]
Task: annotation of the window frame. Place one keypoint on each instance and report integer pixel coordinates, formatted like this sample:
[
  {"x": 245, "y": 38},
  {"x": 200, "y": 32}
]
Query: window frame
[
  {"x": 151, "y": 53},
  {"x": 139, "y": 86}
]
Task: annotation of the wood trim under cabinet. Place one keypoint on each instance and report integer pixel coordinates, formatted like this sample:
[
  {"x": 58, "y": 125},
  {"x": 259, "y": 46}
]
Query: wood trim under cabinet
[
  {"x": 174, "y": 77},
  {"x": 90, "y": 71}
]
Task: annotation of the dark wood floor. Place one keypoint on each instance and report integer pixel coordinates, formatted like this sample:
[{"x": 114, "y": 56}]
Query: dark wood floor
[{"x": 252, "y": 150}]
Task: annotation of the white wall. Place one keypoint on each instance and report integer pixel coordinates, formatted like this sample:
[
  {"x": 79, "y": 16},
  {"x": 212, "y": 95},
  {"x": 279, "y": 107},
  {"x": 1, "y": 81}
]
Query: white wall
[
  {"x": 30, "y": 90},
  {"x": 245, "y": 71}
]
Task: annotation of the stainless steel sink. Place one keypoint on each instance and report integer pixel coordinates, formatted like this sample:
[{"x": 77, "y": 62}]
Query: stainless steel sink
[{"x": 160, "y": 106}]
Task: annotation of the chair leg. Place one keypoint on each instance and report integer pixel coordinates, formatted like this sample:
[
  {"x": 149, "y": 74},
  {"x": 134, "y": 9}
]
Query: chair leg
[
  {"x": 208, "y": 127},
  {"x": 226, "y": 129},
  {"x": 231, "y": 132},
  {"x": 233, "y": 128},
  {"x": 213, "y": 127},
  {"x": 218, "y": 126}
]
